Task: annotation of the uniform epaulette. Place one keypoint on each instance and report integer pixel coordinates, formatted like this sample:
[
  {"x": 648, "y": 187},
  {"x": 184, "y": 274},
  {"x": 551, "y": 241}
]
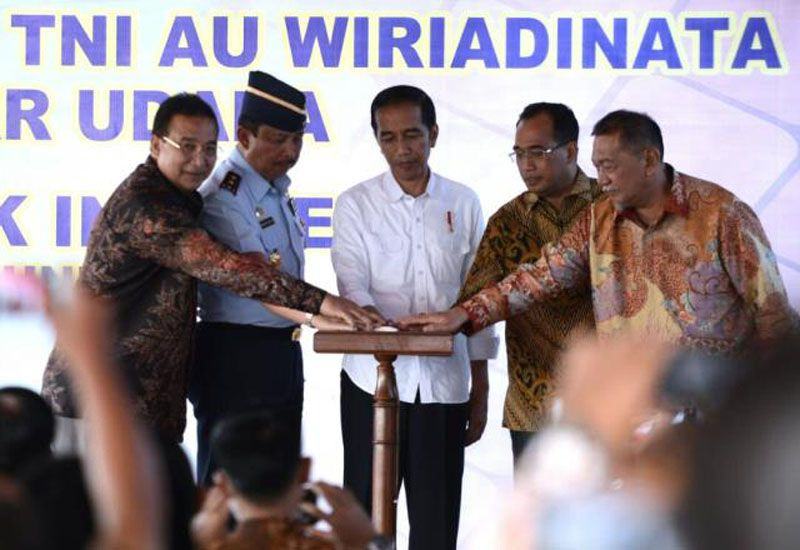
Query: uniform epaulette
[{"x": 231, "y": 182}]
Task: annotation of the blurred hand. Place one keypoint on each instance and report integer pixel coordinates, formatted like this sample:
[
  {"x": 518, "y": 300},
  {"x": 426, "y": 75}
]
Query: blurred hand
[
  {"x": 449, "y": 321},
  {"x": 348, "y": 520},
  {"x": 609, "y": 386},
  {"x": 82, "y": 325},
  {"x": 350, "y": 313},
  {"x": 210, "y": 524}
]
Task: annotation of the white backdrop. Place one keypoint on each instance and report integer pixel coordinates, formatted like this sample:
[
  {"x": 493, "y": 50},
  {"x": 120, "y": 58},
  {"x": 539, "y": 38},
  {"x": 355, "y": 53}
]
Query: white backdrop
[{"x": 718, "y": 75}]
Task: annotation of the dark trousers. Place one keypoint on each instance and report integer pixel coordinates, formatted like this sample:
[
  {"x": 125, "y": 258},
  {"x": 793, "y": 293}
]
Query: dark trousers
[
  {"x": 431, "y": 462},
  {"x": 238, "y": 369},
  {"x": 519, "y": 441}
]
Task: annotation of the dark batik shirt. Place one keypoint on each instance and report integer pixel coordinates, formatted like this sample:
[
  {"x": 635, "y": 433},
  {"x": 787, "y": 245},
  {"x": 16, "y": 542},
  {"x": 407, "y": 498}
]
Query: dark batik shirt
[{"x": 146, "y": 252}]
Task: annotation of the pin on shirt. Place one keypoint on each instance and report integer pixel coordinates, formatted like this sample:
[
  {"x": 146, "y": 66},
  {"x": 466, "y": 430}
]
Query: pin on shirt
[
  {"x": 263, "y": 220},
  {"x": 275, "y": 257},
  {"x": 448, "y": 218}
]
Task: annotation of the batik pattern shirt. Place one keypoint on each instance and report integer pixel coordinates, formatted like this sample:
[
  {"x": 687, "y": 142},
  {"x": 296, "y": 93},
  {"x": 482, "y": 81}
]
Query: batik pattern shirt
[
  {"x": 515, "y": 235},
  {"x": 704, "y": 276},
  {"x": 145, "y": 253}
]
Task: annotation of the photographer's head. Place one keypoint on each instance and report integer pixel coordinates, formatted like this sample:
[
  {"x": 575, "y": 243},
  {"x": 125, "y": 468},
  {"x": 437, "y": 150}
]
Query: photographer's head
[
  {"x": 26, "y": 428},
  {"x": 259, "y": 457}
]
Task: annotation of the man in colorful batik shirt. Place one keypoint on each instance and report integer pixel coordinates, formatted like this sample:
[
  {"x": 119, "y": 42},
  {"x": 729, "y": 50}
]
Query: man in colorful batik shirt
[
  {"x": 665, "y": 254},
  {"x": 546, "y": 154}
]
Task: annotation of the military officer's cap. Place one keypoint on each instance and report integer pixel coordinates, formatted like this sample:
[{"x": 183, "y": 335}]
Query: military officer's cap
[{"x": 270, "y": 101}]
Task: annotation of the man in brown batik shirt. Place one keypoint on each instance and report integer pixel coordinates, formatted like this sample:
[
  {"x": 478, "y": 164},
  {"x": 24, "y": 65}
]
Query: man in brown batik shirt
[
  {"x": 146, "y": 253},
  {"x": 545, "y": 150}
]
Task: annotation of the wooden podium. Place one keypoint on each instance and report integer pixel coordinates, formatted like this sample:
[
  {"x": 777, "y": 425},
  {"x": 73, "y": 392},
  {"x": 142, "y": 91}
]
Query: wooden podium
[{"x": 385, "y": 346}]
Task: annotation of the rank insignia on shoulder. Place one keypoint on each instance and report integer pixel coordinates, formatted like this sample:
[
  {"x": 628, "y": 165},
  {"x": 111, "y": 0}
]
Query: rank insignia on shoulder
[{"x": 231, "y": 182}]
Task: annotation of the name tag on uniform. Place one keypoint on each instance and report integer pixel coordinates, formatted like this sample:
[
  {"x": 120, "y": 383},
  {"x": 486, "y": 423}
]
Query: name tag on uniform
[{"x": 263, "y": 220}]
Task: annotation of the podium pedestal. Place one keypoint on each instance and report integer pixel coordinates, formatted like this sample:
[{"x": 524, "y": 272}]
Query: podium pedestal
[{"x": 385, "y": 347}]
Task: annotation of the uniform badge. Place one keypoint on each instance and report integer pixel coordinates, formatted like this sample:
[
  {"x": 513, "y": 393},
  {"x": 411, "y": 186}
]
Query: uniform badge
[
  {"x": 263, "y": 220},
  {"x": 231, "y": 182}
]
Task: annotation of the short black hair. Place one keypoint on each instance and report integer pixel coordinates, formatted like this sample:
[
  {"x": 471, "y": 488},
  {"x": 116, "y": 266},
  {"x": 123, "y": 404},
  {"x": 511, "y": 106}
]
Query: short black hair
[
  {"x": 636, "y": 130},
  {"x": 565, "y": 125},
  {"x": 27, "y": 427},
  {"x": 259, "y": 452},
  {"x": 185, "y": 104},
  {"x": 404, "y": 94}
]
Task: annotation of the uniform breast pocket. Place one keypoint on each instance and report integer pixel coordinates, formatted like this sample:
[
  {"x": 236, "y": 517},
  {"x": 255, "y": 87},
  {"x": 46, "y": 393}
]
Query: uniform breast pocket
[{"x": 447, "y": 255}]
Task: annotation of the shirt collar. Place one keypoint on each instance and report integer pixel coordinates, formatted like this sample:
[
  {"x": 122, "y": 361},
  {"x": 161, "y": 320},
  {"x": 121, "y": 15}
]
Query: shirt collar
[
  {"x": 395, "y": 193},
  {"x": 255, "y": 182},
  {"x": 582, "y": 187},
  {"x": 675, "y": 202}
]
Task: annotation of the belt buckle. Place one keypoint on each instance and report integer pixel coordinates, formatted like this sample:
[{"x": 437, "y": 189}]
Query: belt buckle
[{"x": 296, "y": 333}]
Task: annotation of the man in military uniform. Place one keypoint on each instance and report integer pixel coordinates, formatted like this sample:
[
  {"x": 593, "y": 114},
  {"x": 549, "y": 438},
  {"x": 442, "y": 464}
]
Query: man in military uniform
[{"x": 248, "y": 356}]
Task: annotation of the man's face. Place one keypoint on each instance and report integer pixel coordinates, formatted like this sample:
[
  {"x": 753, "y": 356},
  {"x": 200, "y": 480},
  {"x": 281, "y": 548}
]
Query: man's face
[
  {"x": 404, "y": 140},
  {"x": 189, "y": 159},
  {"x": 620, "y": 172},
  {"x": 544, "y": 174},
  {"x": 270, "y": 152}
]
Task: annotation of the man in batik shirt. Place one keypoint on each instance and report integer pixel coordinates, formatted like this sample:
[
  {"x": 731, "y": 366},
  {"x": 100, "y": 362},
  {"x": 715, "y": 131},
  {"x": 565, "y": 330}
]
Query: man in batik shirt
[
  {"x": 146, "y": 252},
  {"x": 665, "y": 254},
  {"x": 546, "y": 153}
]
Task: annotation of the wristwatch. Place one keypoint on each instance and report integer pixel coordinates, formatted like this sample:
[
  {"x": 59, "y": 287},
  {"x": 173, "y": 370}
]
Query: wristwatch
[{"x": 309, "y": 320}]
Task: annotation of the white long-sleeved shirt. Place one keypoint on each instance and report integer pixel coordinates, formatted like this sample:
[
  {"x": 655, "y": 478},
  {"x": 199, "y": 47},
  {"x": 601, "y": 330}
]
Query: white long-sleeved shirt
[{"x": 406, "y": 255}]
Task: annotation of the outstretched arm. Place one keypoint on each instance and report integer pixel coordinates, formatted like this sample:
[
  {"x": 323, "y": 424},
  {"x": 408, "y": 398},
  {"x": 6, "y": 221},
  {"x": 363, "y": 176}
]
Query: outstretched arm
[{"x": 123, "y": 469}]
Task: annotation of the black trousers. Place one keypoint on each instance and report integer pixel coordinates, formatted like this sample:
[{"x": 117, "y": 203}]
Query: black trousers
[
  {"x": 238, "y": 369},
  {"x": 431, "y": 462},
  {"x": 519, "y": 441}
]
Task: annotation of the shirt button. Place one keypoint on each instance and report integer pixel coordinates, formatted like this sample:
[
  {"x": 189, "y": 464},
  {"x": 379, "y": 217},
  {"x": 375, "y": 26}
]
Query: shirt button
[
  {"x": 419, "y": 247},
  {"x": 417, "y": 220},
  {"x": 420, "y": 272}
]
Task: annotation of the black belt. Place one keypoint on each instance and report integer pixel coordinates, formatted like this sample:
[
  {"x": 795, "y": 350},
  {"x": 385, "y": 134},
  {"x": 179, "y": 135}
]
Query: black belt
[{"x": 285, "y": 334}]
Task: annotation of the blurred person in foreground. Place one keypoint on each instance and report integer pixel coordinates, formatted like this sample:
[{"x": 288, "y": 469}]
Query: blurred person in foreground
[
  {"x": 665, "y": 255},
  {"x": 146, "y": 253},
  {"x": 744, "y": 491},
  {"x": 260, "y": 483},
  {"x": 589, "y": 480},
  {"x": 122, "y": 466},
  {"x": 546, "y": 154},
  {"x": 27, "y": 427}
]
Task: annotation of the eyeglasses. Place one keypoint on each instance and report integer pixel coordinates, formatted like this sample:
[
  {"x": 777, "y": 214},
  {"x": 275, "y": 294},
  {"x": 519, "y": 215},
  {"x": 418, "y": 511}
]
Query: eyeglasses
[
  {"x": 189, "y": 149},
  {"x": 534, "y": 153}
]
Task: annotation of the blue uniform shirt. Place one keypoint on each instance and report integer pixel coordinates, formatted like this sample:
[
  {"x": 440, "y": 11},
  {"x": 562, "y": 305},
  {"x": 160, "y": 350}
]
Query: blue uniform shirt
[{"x": 254, "y": 216}]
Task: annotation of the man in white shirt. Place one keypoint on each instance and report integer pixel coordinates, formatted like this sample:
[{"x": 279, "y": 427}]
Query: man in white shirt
[{"x": 403, "y": 242}]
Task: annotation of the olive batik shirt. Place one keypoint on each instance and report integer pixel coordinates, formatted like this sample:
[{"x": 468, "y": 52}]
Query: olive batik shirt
[
  {"x": 514, "y": 236},
  {"x": 146, "y": 252}
]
